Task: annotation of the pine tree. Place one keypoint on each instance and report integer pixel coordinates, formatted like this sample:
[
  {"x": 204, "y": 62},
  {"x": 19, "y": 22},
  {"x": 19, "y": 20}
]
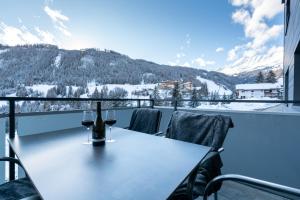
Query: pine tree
[
  {"x": 176, "y": 95},
  {"x": 204, "y": 90},
  {"x": 260, "y": 77},
  {"x": 70, "y": 91},
  {"x": 51, "y": 93},
  {"x": 156, "y": 96},
  {"x": 194, "y": 103},
  {"x": 95, "y": 93},
  {"x": 271, "y": 77}
]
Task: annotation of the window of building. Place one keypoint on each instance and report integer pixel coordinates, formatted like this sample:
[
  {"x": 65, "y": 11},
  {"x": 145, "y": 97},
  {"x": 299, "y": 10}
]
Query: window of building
[
  {"x": 286, "y": 85},
  {"x": 297, "y": 74},
  {"x": 287, "y": 14}
]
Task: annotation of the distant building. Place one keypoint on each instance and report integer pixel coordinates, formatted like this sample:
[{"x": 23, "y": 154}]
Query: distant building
[
  {"x": 186, "y": 86},
  {"x": 291, "y": 60},
  {"x": 259, "y": 90},
  {"x": 169, "y": 85}
]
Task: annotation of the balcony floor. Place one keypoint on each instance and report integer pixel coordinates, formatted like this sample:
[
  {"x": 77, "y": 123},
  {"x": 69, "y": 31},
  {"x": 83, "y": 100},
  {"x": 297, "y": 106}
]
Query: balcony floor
[{"x": 236, "y": 191}]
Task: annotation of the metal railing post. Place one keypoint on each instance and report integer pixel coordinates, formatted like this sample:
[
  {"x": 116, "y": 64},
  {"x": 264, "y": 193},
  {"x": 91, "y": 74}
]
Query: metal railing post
[
  {"x": 12, "y": 124},
  {"x": 152, "y": 103},
  {"x": 175, "y": 105},
  {"x": 139, "y": 103}
]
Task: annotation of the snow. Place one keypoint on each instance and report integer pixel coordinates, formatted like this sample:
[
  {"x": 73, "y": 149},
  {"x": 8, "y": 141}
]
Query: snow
[
  {"x": 43, "y": 88},
  {"x": 240, "y": 106},
  {"x": 233, "y": 70},
  {"x": 214, "y": 87},
  {"x": 129, "y": 88},
  {"x": 57, "y": 60},
  {"x": 260, "y": 86},
  {"x": 3, "y": 103},
  {"x": 3, "y": 50},
  {"x": 86, "y": 61}
]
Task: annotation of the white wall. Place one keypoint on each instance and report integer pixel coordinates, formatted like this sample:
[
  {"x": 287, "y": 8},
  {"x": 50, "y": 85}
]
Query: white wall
[{"x": 249, "y": 94}]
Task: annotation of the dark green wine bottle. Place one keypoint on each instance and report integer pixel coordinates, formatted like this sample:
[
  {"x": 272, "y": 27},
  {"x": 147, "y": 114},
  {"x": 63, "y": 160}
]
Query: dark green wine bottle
[{"x": 98, "y": 137}]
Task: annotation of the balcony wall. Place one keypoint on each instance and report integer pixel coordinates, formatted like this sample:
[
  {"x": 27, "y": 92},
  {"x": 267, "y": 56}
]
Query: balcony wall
[{"x": 261, "y": 145}]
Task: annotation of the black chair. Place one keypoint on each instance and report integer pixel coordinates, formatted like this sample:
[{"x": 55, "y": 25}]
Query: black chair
[
  {"x": 203, "y": 129},
  {"x": 20, "y": 189},
  {"x": 268, "y": 187},
  {"x": 145, "y": 120}
]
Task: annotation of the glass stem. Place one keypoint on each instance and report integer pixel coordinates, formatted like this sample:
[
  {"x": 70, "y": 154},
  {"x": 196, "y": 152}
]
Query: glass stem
[
  {"x": 88, "y": 134},
  {"x": 110, "y": 133}
]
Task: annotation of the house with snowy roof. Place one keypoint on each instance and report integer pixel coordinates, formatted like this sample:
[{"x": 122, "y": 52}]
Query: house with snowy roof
[{"x": 259, "y": 90}]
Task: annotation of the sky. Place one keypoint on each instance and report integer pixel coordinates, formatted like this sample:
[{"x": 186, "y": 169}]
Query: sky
[{"x": 223, "y": 35}]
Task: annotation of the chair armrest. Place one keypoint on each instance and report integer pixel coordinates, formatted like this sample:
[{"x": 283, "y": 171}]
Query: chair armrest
[
  {"x": 273, "y": 188},
  {"x": 12, "y": 160},
  {"x": 34, "y": 197},
  {"x": 159, "y": 133}
]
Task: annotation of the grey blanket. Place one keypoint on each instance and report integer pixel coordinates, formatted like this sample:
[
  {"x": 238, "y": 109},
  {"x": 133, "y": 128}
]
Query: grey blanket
[
  {"x": 145, "y": 120},
  {"x": 203, "y": 129}
]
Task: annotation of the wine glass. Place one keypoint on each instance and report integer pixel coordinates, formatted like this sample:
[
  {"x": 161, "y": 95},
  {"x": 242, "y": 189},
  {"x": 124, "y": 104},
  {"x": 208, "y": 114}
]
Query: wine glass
[
  {"x": 110, "y": 120},
  {"x": 88, "y": 121}
]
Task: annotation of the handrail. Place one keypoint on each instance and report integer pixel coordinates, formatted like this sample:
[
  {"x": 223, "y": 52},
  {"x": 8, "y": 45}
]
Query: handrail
[
  {"x": 276, "y": 189},
  {"x": 150, "y": 99},
  {"x": 66, "y": 99},
  {"x": 230, "y": 101}
]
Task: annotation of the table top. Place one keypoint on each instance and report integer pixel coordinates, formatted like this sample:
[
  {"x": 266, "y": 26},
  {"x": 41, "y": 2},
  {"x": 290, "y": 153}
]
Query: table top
[{"x": 135, "y": 166}]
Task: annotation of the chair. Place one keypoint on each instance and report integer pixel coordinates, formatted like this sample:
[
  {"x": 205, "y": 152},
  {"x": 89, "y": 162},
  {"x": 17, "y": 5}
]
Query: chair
[
  {"x": 20, "y": 189},
  {"x": 145, "y": 120},
  {"x": 268, "y": 187},
  {"x": 203, "y": 129}
]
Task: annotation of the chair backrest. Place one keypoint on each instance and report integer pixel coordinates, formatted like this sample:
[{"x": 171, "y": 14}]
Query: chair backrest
[
  {"x": 203, "y": 129},
  {"x": 145, "y": 120}
]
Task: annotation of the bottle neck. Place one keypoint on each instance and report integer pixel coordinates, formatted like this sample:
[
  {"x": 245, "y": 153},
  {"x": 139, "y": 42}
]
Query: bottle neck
[{"x": 99, "y": 110}]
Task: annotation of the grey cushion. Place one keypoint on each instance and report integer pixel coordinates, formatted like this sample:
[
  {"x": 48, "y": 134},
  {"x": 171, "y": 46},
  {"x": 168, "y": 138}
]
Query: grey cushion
[
  {"x": 17, "y": 189},
  {"x": 145, "y": 120}
]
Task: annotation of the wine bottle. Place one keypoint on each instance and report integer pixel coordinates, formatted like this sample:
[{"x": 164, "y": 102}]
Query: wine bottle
[{"x": 98, "y": 137}]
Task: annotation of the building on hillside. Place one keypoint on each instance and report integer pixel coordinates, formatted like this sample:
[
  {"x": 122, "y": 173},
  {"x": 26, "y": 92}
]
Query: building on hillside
[
  {"x": 291, "y": 60},
  {"x": 188, "y": 86},
  {"x": 259, "y": 90},
  {"x": 169, "y": 85}
]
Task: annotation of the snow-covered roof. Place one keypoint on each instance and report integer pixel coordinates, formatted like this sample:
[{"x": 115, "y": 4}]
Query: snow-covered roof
[{"x": 258, "y": 86}]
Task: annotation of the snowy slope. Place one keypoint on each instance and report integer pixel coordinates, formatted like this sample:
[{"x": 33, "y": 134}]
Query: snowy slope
[
  {"x": 213, "y": 87},
  {"x": 240, "y": 106},
  {"x": 242, "y": 69},
  {"x": 129, "y": 88}
]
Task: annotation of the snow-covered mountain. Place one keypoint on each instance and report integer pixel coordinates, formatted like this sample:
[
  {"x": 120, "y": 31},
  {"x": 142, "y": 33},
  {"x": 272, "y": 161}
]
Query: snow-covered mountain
[
  {"x": 47, "y": 64},
  {"x": 236, "y": 70}
]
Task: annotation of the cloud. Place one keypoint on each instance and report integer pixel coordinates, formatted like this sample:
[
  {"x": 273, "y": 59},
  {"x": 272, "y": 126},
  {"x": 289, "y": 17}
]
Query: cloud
[
  {"x": 180, "y": 57},
  {"x": 201, "y": 62},
  {"x": 11, "y": 35},
  {"x": 186, "y": 64},
  {"x": 45, "y": 36},
  {"x": 219, "y": 49},
  {"x": 255, "y": 16},
  {"x": 58, "y": 19}
]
